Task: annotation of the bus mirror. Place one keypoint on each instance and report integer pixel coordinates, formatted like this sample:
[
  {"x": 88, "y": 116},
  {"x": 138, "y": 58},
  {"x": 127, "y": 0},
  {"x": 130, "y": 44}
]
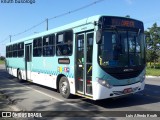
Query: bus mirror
[
  {"x": 99, "y": 36},
  {"x": 82, "y": 60}
]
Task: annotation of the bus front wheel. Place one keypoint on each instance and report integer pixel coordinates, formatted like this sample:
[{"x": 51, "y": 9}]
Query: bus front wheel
[{"x": 64, "y": 87}]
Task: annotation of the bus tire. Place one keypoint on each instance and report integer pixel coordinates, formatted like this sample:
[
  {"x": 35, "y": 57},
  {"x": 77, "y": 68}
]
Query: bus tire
[
  {"x": 64, "y": 87},
  {"x": 19, "y": 76}
]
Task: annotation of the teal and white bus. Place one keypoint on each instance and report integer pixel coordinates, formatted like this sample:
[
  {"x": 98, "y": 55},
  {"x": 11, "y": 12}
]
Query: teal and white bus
[{"x": 98, "y": 57}]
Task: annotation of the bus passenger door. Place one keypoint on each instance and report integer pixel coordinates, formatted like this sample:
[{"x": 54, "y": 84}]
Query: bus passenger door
[
  {"x": 28, "y": 60},
  {"x": 88, "y": 67},
  {"x": 84, "y": 51}
]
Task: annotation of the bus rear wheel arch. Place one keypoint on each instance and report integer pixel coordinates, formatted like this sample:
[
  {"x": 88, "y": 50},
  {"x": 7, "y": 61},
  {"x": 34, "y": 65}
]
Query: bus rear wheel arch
[{"x": 64, "y": 87}]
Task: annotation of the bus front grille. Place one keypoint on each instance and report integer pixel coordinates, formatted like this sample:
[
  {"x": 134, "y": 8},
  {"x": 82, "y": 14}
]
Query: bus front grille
[{"x": 125, "y": 75}]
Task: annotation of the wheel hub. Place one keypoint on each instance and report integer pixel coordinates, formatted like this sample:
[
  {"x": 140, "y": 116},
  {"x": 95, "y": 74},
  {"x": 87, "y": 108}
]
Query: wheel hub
[{"x": 64, "y": 87}]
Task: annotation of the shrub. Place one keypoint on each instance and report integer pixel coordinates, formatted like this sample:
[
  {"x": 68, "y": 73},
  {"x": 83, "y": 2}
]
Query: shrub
[{"x": 2, "y": 58}]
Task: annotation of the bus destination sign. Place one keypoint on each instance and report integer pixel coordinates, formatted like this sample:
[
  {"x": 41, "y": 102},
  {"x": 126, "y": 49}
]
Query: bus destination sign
[
  {"x": 123, "y": 23},
  {"x": 109, "y": 21}
]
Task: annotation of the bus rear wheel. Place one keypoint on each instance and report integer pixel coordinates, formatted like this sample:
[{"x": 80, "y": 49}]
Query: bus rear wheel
[
  {"x": 19, "y": 76},
  {"x": 64, "y": 87}
]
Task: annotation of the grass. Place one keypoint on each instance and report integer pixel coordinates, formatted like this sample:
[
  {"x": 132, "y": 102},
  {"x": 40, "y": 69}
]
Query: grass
[
  {"x": 2, "y": 62},
  {"x": 153, "y": 72},
  {"x": 150, "y": 70}
]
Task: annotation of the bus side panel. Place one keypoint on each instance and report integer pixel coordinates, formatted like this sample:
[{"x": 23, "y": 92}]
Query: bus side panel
[
  {"x": 38, "y": 71},
  {"x": 46, "y": 69},
  {"x": 13, "y": 64}
]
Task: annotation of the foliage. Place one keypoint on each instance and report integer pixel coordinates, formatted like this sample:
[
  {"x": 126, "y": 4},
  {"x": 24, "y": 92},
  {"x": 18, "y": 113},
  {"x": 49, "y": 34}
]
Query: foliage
[
  {"x": 151, "y": 65},
  {"x": 152, "y": 72},
  {"x": 2, "y": 62},
  {"x": 2, "y": 58},
  {"x": 153, "y": 44}
]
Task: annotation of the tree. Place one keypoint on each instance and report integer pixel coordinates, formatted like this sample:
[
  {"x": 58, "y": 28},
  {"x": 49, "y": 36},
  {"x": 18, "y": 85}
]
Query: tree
[
  {"x": 153, "y": 43},
  {"x": 2, "y": 58}
]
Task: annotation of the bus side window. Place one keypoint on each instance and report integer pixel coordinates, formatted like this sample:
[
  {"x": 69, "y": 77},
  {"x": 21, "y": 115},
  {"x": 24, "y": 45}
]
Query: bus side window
[
  {"x": 10, "y": 50},
  {"x": 6, "y": 51},
  {"x": 15, "y": 48},
  {"x": 64, "y": 43},
  {"x": 49, "y": 45},
  {"x": 21, "y": 49},
  {"x": 37, "y": 47}
]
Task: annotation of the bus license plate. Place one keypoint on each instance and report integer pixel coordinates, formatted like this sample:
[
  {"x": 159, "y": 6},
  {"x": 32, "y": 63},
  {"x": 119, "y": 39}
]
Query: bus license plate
[{"x": 127, "y": 90}]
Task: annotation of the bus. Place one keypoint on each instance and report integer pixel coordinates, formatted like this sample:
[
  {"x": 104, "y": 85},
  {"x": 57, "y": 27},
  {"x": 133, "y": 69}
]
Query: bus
[{"x": 97, "y": 57}]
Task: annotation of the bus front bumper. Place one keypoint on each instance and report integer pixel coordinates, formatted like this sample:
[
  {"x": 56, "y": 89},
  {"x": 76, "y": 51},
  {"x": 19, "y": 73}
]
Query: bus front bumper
[{"x": 102, "y": 92}]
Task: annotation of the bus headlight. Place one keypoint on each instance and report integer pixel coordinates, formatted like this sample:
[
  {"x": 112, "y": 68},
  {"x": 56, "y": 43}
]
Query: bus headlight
[
  {"x": 142, "y": 78},
  {"x": 103, "y": 83}
]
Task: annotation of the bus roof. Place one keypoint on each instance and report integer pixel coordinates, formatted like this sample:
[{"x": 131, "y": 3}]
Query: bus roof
[{"x": 62, "y": 28}]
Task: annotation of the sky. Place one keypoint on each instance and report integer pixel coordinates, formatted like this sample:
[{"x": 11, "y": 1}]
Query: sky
[{"x": 18, "y": 17}]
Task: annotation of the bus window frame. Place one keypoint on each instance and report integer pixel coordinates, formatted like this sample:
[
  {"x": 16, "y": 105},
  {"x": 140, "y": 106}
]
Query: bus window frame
[
  {"x": 36, "y": 47},
  {"x": 53, "y": 45},
  {"x": 15, "y": 50},
  {"x": 64, "y": 42},
  {"x": 20, "y": 49},
  {"x": 11, "y": 51}
]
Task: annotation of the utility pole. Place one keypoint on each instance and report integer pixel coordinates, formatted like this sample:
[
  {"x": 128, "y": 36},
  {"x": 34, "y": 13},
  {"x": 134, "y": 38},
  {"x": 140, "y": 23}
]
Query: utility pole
[
  {"x": 47, "y": 24},
  {"x": 10, "y": 37}
]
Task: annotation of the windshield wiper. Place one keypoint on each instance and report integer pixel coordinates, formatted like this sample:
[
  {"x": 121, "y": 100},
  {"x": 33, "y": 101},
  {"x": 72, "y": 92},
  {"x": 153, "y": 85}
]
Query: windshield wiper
[
  {"x": 114, "y": 28},
  {"x": 139, "y": 31}
]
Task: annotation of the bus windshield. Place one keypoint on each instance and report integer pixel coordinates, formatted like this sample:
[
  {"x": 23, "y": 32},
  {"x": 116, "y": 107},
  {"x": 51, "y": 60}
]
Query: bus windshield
[{"x": 121, "y": 48}]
